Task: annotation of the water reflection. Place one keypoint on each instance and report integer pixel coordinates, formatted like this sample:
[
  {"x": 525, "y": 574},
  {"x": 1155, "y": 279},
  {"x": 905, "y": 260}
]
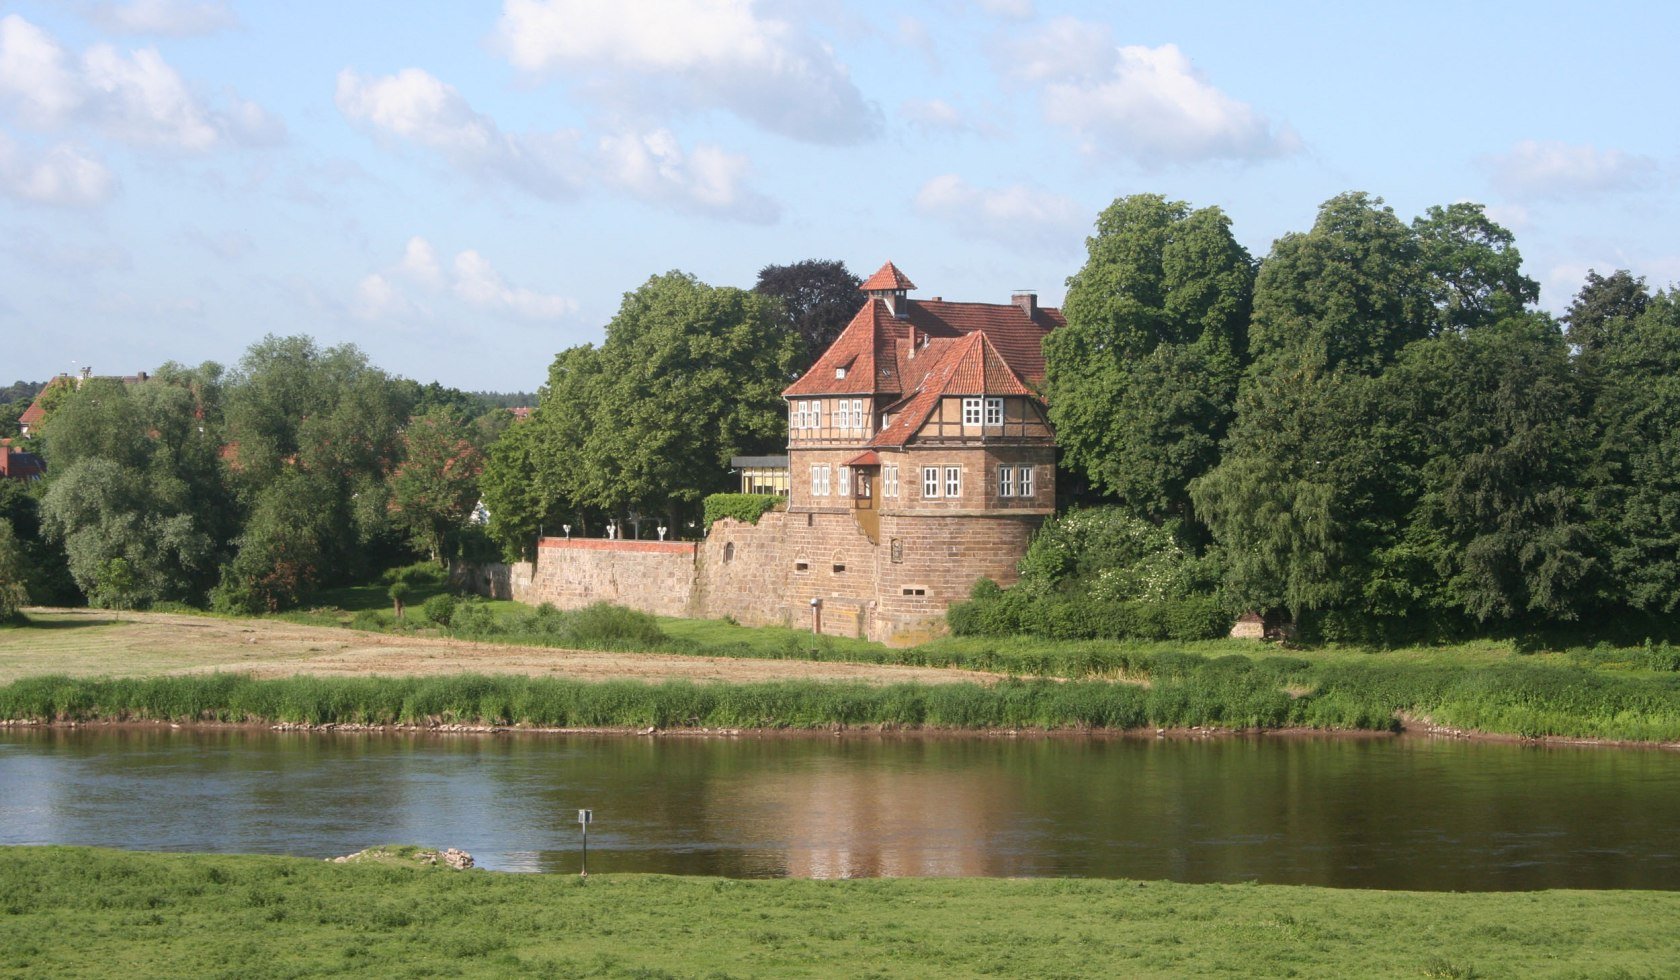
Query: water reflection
[{"x": 1411, "y": 813}]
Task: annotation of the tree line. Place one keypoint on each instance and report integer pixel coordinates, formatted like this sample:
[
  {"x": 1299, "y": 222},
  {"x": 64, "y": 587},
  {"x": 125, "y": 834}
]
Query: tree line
[
  {"x": 1373, "y": 430},
  {"x": 249, "y": 490}
]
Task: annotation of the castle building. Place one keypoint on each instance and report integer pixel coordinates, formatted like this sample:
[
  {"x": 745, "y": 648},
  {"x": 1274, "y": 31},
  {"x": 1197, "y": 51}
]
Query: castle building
[{"x": 920, "y": 456}]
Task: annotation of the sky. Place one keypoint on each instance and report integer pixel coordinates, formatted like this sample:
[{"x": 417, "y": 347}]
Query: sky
[{"x": 463, "y": 190}]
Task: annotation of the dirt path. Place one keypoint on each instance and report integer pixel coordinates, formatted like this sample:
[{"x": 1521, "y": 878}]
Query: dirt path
[{"x": 91, "y": 642}]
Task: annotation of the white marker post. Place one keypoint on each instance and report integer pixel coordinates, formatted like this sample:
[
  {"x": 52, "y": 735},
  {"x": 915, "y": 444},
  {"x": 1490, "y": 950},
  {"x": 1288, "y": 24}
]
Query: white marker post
[{"x": 585, "y": 817}]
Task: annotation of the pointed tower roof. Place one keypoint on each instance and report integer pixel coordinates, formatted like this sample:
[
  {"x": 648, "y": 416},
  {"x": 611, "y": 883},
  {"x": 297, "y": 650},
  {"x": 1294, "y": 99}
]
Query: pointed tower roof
[{"x": 887, "y": 277}]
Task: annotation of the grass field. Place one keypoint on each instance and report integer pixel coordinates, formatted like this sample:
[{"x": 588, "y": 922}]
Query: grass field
[
  {"x": 788, "y": 679},
  {"x": 72, "y": 912}
]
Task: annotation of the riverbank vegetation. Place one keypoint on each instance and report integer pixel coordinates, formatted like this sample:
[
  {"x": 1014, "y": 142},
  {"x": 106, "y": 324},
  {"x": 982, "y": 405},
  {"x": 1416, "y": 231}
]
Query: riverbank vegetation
[
  {"x": 77, "y": 911},
  {"x": 1586, "y": 695}
]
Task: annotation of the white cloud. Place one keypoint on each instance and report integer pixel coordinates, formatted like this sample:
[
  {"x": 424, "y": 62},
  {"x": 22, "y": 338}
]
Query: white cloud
[
  {"x": 479, "y": 284},
  {"x": 1008, "y": 214},
  {"x": 378, "y": 299},
  {"x": 145, "y": 101},
  {"x": 417, "y": 107},
  {"x": 722, "y": 54},
  {"x": 653, "y": 166},
  {"x": 1550, "y": 169},
  {"x": 35, "y": 78},
  {"x": 63, "y": 176},
  {"x": 1151, "y": 104},
  {"x": 137, "y": 97},
  {"x": 169, "y": 18},
  {"x": 420, "y": 262},
  {"x": 471, "y": 279}
]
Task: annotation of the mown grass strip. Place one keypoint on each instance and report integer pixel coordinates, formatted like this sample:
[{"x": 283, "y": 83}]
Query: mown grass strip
[
  {"x": 70, "y": 912},
  {"x": 1184, "y": 690}
]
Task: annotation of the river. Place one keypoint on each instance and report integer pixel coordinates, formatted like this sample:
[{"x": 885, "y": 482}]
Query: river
[{"x": 1400, "y": 813}]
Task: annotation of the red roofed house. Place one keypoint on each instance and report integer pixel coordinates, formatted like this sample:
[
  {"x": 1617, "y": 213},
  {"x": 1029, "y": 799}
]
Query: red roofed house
[{"x": 920, "y": 455}]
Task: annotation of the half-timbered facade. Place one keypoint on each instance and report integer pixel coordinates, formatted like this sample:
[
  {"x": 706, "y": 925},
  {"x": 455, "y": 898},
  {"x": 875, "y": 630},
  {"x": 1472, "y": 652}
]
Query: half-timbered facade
[{"x": 920, "y": 455}]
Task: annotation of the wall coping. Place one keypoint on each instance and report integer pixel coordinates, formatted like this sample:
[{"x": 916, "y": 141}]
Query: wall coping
[{"x": 629, "y": 547}]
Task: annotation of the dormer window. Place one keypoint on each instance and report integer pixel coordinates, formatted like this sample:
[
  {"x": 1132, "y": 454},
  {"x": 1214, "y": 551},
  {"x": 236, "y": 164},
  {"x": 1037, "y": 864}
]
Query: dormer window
[{"x": 840, "y": 372}]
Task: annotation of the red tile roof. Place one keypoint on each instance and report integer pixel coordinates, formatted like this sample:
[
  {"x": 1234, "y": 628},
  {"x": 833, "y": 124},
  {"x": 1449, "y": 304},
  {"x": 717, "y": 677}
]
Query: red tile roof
[
  {"x": 887, "y": 277},
  {"x": 937, "y": 349},
  {"x": 867, "y": 458},
  {"x": 32, "y": 415}
]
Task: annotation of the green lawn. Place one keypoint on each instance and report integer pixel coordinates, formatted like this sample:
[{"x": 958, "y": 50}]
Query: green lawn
[{"x": 67, "y": 912}]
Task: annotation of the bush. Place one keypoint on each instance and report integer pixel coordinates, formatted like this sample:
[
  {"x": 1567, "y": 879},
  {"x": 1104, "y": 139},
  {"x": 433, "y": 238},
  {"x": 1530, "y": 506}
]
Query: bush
[
  {"x": 992, "y": 611},
  {"x": 440, "y": 609},
  {"x": 744, "y": 507},
  {"x": 421, "y": 573},
  {"x": 473, "y": 616},
  {"x": 603, "y": 624},
  {"x": 368, "y": 620}
]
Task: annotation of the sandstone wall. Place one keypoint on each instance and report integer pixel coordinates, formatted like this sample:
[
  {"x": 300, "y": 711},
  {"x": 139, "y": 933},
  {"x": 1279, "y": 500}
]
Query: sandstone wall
[
  {"x": 653, "y": 576},
  {"x": 895, "y": 591}
]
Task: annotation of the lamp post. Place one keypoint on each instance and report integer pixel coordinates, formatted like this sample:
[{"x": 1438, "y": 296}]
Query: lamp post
[{"x": 568, "y": 529}]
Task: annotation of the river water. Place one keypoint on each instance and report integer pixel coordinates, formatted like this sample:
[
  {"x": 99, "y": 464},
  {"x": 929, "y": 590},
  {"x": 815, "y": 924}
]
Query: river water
[{"x": 1405, "y": 813}]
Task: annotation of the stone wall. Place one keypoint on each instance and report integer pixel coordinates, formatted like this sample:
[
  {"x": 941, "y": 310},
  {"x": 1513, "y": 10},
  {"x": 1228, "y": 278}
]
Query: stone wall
[
  {"x": 767, "y": 574},
  {"x": 654, "y": 576}
]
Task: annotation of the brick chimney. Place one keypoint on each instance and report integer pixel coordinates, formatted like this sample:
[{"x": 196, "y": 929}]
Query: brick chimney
[{"x": 1027, "y": 300}]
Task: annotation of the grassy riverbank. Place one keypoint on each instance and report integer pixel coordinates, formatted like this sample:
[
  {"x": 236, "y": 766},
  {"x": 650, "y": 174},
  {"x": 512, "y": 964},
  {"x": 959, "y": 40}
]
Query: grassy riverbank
[
  {"x": 1183, "y": 691},
  {"x": 84, "y": 912}
]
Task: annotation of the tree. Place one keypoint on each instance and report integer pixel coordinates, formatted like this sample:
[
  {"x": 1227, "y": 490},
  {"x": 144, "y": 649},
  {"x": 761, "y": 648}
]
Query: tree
[
  {"x": 1634, "y": 375},
  {"x": 1603, "y": 304},
  {"x": 1473, "y": 266},
  {"x": 1348, "y": 294},
  {"x": 514, "y": 491},
  {"x": 99, "y": 509},
  {"x": 1142, "y": 381},
  {"x": 280, "y": 556},
  {"x": 436, "y": 485},
  {"x": 14, "y": 573},
  {"x": 689, "y": 376},
  {"x": 818, "y": 298},
  {"x": 1500, "y": 443}
]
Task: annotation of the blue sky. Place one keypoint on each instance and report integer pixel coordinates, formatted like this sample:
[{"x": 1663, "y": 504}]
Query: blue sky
[{"x": 463, "y": 190}]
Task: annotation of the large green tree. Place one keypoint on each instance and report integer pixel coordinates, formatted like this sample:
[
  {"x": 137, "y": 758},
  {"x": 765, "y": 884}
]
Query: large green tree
[
  {"x": 1633, "y": 371},
  {"x": 1314, "y": 503},
  {"x": 1142, "y": 381},
  {"x": 435, "y": 486}
]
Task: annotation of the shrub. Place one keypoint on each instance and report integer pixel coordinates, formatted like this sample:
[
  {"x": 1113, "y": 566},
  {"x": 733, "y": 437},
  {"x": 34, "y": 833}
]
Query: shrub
[
  {"x": 369, "y": 620},
  {"x": 604, "y": 624},
  {"x": 744, "y": 507},
  {"x": 473, "y": 615},
  {"x": 421, "y": 573},
  {"x": 440, "y": 609}
]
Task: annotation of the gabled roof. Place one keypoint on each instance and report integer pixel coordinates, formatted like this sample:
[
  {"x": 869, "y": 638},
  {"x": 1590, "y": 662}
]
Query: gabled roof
[
  {"x": 887, "y": 277},
  {"x": 33, "y": 414},
  {"x": 865, "y": 350},
  {"x": 967, "y": 367}
]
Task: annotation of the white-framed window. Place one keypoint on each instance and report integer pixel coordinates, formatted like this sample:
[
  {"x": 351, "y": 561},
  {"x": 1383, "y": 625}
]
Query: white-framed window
[
  {"x": 816, "y": 480},
  {"x": 971, "y": 410},
  {"x": 857, "y": 413},
  {"x": 1024, "y": 476},
  {"x": 845, "y": 481},
  {"x": 953, "y": 481},
  {"x": 889, "y": 480},
  {"x": 799, "y": 415},
  {"x": 930, "y": 481},
  {"x": 1006, "y": 481},
  {"x": 994, "y": 411},
  {"x": 816, "y": 415},
  {"x": 826, "y": 471}
]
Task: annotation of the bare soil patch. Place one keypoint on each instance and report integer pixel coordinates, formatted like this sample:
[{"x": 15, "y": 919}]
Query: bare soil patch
[{"x": 95, "y": 642}]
